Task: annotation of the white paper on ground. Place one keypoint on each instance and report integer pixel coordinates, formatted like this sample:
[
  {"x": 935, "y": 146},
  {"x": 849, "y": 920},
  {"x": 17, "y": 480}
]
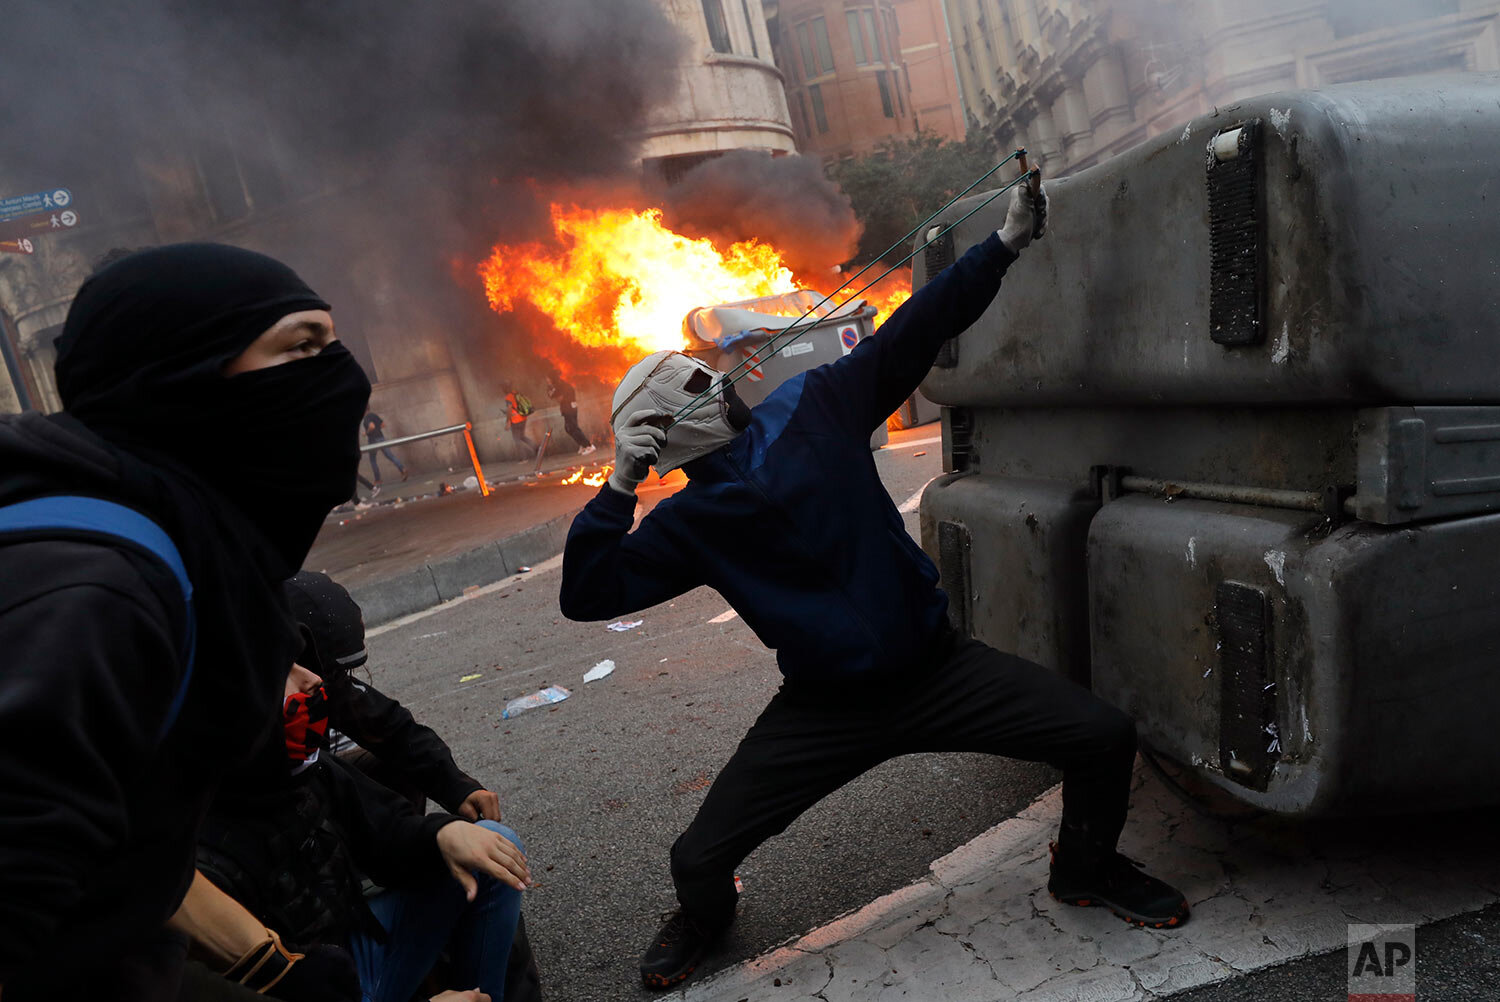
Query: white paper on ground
[
  {"x": 622, "y": 626},
  {"x": 599, "y": 670}
]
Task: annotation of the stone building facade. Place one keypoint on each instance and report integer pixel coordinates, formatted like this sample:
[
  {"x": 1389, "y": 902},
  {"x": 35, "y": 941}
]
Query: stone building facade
[
  {"x": 1077, "y": 81},
  {"x": 730, "y": 94}
]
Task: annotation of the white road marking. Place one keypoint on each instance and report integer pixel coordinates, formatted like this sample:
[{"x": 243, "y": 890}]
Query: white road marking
[
  {"x": 725, "y": 616},
  {"x": 550, "y": 564},
  {"x": 911, "y": 503}
]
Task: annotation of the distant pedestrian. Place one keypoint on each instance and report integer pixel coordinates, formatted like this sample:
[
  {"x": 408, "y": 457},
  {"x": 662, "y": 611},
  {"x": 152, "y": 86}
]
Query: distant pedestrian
[
  {"x": 567, "y": 403},
  {"x": 518, "y": 406},
  {"x": 375, "y": 432}
]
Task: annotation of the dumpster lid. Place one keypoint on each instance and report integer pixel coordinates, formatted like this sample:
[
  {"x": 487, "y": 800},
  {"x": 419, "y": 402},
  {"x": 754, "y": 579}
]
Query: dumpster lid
[{"x": 757, "y": 319}]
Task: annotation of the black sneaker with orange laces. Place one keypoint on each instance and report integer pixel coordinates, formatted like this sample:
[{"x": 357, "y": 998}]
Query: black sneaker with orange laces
[
  {"x": 1115, "y": 882},
  {"x": 679, "y": 947}
]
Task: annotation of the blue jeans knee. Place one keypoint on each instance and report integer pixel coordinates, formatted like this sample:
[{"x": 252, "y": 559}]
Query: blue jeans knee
[{"x": 504, "y": 832}]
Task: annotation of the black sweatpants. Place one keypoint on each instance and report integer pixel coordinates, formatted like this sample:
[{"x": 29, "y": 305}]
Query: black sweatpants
[
  {"x": 570, "y": 425},
  {"x": 812, "y": 739}
]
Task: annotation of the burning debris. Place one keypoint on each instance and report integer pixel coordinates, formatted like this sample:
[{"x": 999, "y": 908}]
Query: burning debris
[
  {"x": 594, "y": 479},
  {"x": 618, "y": 282}
]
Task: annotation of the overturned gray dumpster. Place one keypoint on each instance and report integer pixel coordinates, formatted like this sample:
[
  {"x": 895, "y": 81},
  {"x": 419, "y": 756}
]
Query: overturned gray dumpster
[{"x": 1227, "y": 445}]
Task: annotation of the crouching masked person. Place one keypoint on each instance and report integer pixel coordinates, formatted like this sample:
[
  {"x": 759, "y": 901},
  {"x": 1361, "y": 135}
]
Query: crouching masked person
[
  {"x": 293, "y": 836},
  {"x": 145, "y": 635},
  {"x": 785, "y": 515},
  {"x": 374, "y": 732},
  {"x": 369, "y": 728}
]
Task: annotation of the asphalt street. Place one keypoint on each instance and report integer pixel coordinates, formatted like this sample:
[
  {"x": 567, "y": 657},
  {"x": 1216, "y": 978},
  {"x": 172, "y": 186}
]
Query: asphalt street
[{"x": 601, "y": 784}]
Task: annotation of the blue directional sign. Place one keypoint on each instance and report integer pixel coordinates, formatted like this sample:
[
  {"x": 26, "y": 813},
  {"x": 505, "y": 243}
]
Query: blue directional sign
[{"x": 52, "y": 200}]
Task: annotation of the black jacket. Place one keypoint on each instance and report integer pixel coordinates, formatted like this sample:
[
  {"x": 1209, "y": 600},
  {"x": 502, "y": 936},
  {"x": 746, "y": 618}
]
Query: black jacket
[
  {"x": 379, "y": 724},
  {"x": 97, "y": 816},
  {"x": 294, "y": 854}
]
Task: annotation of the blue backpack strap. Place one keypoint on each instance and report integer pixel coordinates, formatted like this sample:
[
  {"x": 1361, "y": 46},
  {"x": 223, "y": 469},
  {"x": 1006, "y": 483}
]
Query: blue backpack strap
[{"x": 69, "y": 513}]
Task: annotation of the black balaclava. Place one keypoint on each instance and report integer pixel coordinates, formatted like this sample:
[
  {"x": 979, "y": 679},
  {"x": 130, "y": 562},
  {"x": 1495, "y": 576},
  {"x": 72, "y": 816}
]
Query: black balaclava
[{"x": 141, "y": 362}]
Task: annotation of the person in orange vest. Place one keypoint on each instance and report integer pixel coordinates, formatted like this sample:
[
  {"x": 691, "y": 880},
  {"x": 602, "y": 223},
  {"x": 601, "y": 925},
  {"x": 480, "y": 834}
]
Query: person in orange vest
[{"x": 519, "y": 406}]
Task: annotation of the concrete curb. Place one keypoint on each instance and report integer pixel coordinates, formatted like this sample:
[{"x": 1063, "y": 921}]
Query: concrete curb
[{"x": 442, "y": 580}]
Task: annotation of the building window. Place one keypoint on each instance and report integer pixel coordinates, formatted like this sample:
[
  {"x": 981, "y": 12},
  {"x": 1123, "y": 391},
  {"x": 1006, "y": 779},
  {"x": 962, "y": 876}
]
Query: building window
[
  {"x": 718, "y": 28},
  {"x": 885, "y": 95},
  {"x": 860, "y": 58},
  {"x": 819, "y": 115},
  {"x": 864, "y": 37},
  {"x": 825, "y": 51},
  {"x": 804, "y": 42},
  {"x": 873, "y": 39},
  {"x": 750, "y": 27},
  {"x": 896, "y": 86},
  {"x": 802, "y": 119}
]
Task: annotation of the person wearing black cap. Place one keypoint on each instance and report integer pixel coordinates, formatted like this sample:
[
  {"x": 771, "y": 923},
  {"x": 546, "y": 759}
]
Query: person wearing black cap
[
  {"x": 131, "y": 554},
  {"x": 408, "y": 757}
]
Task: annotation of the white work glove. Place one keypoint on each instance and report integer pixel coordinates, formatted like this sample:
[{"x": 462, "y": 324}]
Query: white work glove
[
  {"x": 636, "y": 447},
  {"x": 1026, "y": 219}
]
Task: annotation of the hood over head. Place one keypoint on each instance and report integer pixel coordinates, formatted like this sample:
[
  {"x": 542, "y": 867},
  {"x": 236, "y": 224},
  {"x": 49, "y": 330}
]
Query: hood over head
[
  {"x": 331, "y": 619},
  {"x": 141, "y": 363}
]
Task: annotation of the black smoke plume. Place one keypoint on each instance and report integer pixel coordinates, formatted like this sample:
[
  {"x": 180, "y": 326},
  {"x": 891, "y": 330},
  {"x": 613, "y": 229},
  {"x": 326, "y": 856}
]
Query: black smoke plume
[
  {"x": 785, "y": 201},
  {"x": 445, "y": 106}
]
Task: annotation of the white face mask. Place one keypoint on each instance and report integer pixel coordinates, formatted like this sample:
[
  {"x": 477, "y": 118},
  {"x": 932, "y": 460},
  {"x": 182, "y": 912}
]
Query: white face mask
[{"x": 668, "y": 381}]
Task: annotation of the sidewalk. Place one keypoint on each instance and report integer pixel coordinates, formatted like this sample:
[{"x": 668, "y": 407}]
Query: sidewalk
[{"x": 982, "y": 927}]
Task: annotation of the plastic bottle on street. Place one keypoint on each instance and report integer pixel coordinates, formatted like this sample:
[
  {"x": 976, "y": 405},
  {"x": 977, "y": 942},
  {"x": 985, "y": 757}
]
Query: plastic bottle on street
[{"x": 551, "y": 694}]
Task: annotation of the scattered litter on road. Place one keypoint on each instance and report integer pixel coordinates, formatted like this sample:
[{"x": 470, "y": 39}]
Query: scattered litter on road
[
  {"x": 1208, "y": 671},
  {"x": 471, "y": 590},
  {"x": 429, "y": 636},
  {"x": 470, "y": 678},
  {"x": 621, "y": 626},
  {"x": 662, "y": 661},
  {"x": 551, "y": 694},
  {"x": 916, "y": 454},
  {"x": 471, "y": 482},
  {"x": 599, "y": 671},
  {"x": 739, "y": 886},
  {"x": 522, "y": 569},
  {"x": 725, "y": 616}
]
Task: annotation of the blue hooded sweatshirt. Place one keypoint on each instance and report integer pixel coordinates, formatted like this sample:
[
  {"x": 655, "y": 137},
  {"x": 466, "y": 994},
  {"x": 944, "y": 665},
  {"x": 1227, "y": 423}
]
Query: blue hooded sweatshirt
[{"x": 790, "y": 521}]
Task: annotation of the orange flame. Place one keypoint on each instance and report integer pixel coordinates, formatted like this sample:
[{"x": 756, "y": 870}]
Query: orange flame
[
  {"x": 615, "y": 284},
  {"x": 621, "y": 278},
  {"x": 595, "y": 479}
]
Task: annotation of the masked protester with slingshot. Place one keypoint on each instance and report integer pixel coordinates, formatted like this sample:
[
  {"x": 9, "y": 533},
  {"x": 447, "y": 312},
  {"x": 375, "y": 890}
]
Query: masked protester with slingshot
[{"x": 785, "y": 515}]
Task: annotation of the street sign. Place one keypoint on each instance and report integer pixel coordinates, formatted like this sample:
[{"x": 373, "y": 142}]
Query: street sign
[
  {"x": 50, "y": 201},
  {"x": 21, "y": 246},
  {"x": 37, "y": 224}
]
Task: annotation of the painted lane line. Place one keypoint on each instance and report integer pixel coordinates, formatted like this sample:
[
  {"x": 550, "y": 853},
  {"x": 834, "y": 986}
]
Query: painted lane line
[{"x": 725, "y": 616}]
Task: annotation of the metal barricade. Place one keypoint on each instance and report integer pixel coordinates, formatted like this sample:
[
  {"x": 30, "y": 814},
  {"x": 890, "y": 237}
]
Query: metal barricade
[{"x": 466, "y": 428}]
